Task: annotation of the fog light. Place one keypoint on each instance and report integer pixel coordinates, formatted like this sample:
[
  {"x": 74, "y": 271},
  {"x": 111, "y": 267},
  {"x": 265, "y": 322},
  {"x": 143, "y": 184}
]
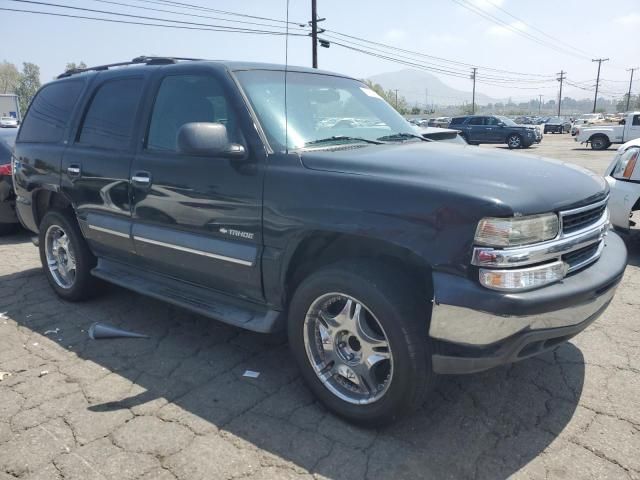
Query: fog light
[{"x": 523, "y": 278}]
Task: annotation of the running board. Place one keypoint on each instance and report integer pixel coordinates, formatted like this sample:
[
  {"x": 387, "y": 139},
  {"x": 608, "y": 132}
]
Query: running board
[{"x": 233, "y": 311}]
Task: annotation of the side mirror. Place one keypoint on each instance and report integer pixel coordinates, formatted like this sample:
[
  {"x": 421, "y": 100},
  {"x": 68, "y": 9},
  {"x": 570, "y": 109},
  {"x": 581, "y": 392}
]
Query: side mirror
[
  {"x": 500, "y": 124},
  {"x": 207, "y": 139}
]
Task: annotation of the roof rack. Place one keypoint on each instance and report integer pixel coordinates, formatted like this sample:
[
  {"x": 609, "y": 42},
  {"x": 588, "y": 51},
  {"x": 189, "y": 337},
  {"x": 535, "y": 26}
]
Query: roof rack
[{"x": 142, "y": 60}]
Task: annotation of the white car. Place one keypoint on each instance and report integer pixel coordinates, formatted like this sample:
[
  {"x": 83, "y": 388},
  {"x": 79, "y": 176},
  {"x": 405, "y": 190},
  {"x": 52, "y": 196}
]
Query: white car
[
  {"x": 602, "y": 136},
  {"x": 8, "y": 122},
  {"x": 623, "y": 176}
]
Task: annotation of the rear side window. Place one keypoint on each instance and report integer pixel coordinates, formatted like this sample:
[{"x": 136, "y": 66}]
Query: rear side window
[
  {"x": 476, "y": 121},
  {"x": 457, "y": 121},
  {"x": 636, "y": 120},
  {"x": 184, "y": 99},
  {"x": 50, "y": 112},
  {"x": 109, "y": 120}
]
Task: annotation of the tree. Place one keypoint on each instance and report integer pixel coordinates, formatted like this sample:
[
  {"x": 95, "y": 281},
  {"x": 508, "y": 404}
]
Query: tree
[
  {"x": 415, "y": 111},
  {"x": 28, "y": 84},
  {"x": 9, "y": 77},
  {"x": 75, "y": 66},
  {"x": 390, "y": 96}
]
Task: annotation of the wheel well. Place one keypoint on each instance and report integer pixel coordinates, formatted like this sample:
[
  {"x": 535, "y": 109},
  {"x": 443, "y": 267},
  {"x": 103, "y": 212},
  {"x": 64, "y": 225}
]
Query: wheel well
[
  {"x": 322, "y": 248},
  {"x": 598, "y": 135},
  {"x": 47, "y": 200}
]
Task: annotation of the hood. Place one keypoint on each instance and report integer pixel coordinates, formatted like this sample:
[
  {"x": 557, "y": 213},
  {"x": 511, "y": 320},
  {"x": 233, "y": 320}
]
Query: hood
[{"x": 514, "y": 183}]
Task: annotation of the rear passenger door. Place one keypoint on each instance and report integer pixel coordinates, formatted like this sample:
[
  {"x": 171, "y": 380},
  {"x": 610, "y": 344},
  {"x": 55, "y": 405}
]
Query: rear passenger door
[
  {"x": 494, "y": 133},
  {"x": 198, "y": 218},
  {"x": 96, "y": 165},
  {"x": 477, "y": 130}
]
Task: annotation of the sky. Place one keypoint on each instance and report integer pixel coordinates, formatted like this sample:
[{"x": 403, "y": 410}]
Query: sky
[{"x": 573, "y": 32}]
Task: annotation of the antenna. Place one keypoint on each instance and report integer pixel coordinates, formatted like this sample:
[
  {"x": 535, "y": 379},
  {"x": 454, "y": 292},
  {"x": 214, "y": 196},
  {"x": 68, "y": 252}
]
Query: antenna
[{"x": 286, "y": 69}]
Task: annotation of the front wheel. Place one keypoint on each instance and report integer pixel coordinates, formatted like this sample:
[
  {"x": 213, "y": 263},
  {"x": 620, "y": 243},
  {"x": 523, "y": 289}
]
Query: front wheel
[
  {"x": 514, "y": 141},
  {"x": 359, "y": 334}
]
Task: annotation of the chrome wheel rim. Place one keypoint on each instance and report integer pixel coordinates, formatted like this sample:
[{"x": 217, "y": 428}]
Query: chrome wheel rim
[
  {"x": 61, "y": 259},
  {"x": 348, "y": 348},
  {"x": 514, "y": 141}
]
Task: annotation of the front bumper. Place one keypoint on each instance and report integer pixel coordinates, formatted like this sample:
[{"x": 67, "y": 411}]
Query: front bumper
[{"x": 476, "y": 328}]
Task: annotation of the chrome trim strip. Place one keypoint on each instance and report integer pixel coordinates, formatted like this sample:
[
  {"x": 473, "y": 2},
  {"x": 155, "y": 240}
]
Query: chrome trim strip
[
  {"x": 585, "y": 208},
  {"x": 194, "y": 251},
  {"x": 109, "y": 231},
  {"x": 540, "y": 252},
  {"x": 471, "y": 327},
  {"x": 140, "y": 179}
]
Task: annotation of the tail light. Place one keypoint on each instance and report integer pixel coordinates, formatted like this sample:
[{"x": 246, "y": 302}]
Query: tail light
[{"x": 5, "y": 169}]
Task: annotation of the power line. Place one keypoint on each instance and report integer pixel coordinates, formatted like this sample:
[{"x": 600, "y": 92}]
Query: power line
[
  {"x": 143, "y": 17},
  {"x": 484, "y": 14},
  {"x": 146, "y": 24}
]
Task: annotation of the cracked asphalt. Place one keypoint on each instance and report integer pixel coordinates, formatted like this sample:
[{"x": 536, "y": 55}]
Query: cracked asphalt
[{"x": 176, "y": 406}]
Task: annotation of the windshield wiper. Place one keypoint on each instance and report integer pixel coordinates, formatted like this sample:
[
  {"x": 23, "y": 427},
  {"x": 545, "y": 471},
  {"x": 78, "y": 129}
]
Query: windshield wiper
[
  {"x": 337, "y": 138},
  {"x": 402, "y": 136}
]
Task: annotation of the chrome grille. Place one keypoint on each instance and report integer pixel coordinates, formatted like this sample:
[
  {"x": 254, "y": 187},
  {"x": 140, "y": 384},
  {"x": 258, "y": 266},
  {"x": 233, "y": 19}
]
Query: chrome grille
[
  {"x": 579, "y": 219},
  {"x": 583, "y": 256}
]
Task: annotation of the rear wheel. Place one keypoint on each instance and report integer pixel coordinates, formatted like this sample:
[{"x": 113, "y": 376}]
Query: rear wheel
[
  {"x": 600, "y": 142},
  {"x": 359, "y": 335},
  {"x": 514, "y": 141},
  {"x": 65, "y": 257}
]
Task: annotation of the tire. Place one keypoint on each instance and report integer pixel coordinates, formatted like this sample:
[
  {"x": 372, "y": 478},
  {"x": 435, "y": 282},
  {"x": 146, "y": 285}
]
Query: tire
[
  {"x": 599, "y": 142},
  {"x": 514, "y": 141},
  {"x": 388, "y": 298},
  {"x": 78, "y": 283}
]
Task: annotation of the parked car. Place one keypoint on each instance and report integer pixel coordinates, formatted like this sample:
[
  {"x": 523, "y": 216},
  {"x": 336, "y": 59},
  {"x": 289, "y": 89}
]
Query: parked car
[
  {"x": 603, "y": 136},
  {"x": 442, "y": 135},
  {"x": 440, "y": 122},
  {"x": 386, "y": 257},
  {"x": 8, "y": 122},
  {"x": 8, "y": 219},
  {"x": 477, "y": 129},
  {"x": 623, "y": 176},
  {"x": 557, "y": 125}
]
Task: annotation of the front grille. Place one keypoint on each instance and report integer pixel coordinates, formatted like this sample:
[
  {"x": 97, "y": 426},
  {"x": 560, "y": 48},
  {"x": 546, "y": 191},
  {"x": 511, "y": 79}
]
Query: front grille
[
  {"x": 577, "y": 257},
  {"x": 577, "y": 221}
]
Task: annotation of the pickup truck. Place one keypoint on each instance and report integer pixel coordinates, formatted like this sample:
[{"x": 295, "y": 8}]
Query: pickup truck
[
  {"x": 386, "y": 257},
  {"x": 602, "y": 137}
]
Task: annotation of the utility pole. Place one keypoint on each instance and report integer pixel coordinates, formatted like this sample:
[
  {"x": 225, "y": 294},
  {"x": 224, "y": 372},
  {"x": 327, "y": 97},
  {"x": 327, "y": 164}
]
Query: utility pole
[
  {"x": 314, "y": 34},
  {"x": 630, "y": 83},
  {"x": 560, "y": 79},
  {"x": 595, "y": 99},
  {"x": 426, "y": 99},
  {"x": 540, "y": 105},
  {"x": 473, "y": 98},
  {"x": 396, "y": 99}
]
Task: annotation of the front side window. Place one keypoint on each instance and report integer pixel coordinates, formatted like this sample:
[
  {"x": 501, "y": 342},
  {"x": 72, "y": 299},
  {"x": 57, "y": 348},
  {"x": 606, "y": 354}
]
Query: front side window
[
  {"x": 185, "y": 99},
  {"x": 109, "y": 120},
  {"x": 636, "y": 120},
  {"x": 318, "y": 108},
  {"x": 50, "y": 112}
]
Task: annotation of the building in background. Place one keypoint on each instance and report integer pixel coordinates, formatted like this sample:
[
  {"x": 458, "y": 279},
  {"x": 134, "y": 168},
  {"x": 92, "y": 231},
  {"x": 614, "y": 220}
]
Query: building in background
[{"x": 9, "y": 106}]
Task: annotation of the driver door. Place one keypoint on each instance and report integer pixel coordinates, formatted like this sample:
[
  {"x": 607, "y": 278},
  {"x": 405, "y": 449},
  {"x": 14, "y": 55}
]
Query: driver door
[{"x": 197, "y": 218}]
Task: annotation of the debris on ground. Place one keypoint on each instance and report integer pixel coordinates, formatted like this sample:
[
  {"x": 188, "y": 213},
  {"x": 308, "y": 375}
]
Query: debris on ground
[
  {"x": 102, "y": 330},
  {"x": 3, "y": 375},
  {"x": 251, "y": 374},
  {"x": 52, "y": 331},
  {"x": 43, "y": 373}
]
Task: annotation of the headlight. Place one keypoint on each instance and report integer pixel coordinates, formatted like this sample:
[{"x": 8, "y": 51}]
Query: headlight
[
  {"x": 523, "y": 278},
  {"x": 514, "y": 231},
  {"x": 626, "y": 164}
]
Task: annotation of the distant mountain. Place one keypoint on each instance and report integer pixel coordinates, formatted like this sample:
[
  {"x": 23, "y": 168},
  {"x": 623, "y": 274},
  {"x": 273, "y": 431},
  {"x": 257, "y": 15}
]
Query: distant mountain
[{"x": 411, "y": 84}]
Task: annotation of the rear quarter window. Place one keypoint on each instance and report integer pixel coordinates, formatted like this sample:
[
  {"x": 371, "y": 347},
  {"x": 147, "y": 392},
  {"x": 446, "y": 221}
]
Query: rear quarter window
[
  {"x": 50, "y": 112},
  {"x": 457, "y": 121}
]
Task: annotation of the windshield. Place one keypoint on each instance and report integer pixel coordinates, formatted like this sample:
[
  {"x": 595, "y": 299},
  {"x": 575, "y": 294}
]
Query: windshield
[
  {"x": 321, "y": 109},
  {"x": 507, "y": 121}
]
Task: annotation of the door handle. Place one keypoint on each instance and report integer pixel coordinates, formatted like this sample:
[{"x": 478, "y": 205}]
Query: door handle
[
  {"x": 73, "y": 170},
  {"x": 142, "y": 179}
]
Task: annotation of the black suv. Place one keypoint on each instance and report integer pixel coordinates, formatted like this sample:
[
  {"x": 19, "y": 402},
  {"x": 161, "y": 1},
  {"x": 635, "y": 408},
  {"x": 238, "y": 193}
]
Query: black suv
[
  {"x": 388, "y": 258},
  {"x": 477, "y": 129}
]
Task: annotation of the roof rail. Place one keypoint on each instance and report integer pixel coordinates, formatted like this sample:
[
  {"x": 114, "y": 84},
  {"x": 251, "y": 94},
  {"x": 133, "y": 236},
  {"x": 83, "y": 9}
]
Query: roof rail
[{"x": 136, "y": 61}]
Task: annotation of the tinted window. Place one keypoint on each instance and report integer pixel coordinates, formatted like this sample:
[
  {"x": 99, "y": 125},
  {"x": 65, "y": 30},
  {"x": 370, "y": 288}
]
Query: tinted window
[
  {"x": 184, "y": 99},
  {"x": 492, "y": 121},
  {"x": 5, "y": 152},
  {"x": 109, "y": 120},
  {"x": 457, "y": 121},
  {"x": 636, "y": 120},
  {"x": 50, "y": 112},
  {"x": 476, "y": 121}
]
